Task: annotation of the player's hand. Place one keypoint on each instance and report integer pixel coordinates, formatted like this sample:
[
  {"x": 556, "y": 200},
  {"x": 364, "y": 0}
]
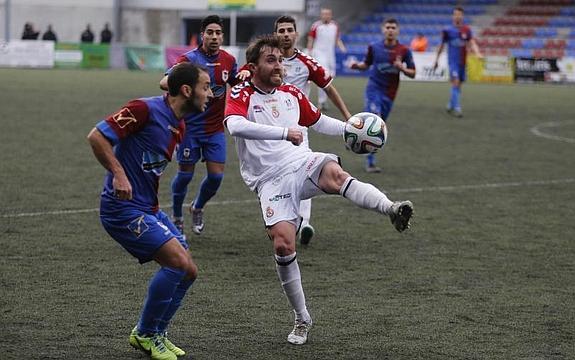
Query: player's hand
[
  {"x": 294, "y": 136},
  {"x": 122, "y": 187},
  {"x": 354, "y": 66},
  {"x": 244, "y": 74},
  {"x": 398, "y": 63}
]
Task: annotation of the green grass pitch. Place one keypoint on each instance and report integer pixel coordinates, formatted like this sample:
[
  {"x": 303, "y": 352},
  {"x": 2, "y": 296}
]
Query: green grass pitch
[{"x": 486, "y": 272}]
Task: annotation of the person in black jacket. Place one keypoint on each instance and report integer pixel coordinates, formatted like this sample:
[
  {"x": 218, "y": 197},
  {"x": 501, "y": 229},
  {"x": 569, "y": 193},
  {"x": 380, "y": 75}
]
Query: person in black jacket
[
  {"x": 50, "y": 35},
  {"x": 106, "y": 34},
  {"x": 29, "y": 33},
  {"x": 87, "y": 35}
]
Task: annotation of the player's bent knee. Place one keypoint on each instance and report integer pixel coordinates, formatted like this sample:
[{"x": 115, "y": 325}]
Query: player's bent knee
[
  {"x": 283, "y": 245},
  {"x": 191, "y": 271}
]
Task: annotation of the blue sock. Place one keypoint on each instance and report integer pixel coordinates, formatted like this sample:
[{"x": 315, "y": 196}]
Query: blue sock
[
  {"x": 208, "y": 189},
  {"x": 370, "y": 159},
  {"x": 160, "y": 293},
  {"x": 454, "y": 101},
  {"x": 179, "y": 190},
  {"x": 174, "y": 305}
]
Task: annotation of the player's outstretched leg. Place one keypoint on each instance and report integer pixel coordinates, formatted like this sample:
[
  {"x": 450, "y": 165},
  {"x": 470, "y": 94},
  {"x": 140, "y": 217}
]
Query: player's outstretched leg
[
  {"x": 400, "y": 213},
  {"x": 368, "y": 196},
  {"x": 307, "y": 231}
]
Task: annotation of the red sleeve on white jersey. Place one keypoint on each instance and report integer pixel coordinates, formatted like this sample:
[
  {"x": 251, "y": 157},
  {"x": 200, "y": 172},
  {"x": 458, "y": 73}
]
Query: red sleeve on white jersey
[
  {"x": 239, "y": 100},
  {"x": 308, "y": 113},
  {"x": 317, "y": 73},
  {"x": 130, "y": 119},
  {"x": 313, "y": 30}
]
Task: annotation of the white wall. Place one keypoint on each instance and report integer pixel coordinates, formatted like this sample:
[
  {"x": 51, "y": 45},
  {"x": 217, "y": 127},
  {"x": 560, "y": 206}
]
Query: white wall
[
  {"x": 143, "y": 21},
  {"x": 68, "y": 17}
]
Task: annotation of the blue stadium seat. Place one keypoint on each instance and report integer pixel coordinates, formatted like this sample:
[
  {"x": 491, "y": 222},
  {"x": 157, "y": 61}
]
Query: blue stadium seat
[
  {"x": 546, "y": 32},
  {"x": 521, "y": 52},
  {"x": 533, "y": 43}
]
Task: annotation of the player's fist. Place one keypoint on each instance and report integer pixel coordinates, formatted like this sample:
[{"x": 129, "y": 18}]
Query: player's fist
[{"x": 294, "y": 136}]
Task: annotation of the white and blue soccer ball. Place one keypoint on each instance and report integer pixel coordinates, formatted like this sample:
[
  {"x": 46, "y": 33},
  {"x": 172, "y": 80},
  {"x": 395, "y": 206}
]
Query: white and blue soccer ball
[{"x": 365, "y": 133}]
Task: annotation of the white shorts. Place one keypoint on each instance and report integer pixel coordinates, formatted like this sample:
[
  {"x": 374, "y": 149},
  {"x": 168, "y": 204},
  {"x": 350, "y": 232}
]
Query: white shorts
[{"x": 280, "y": 196}]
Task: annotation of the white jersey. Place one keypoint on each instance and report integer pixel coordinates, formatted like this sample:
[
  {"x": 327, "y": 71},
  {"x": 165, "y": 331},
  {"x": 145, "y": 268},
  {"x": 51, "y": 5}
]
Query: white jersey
[
  {"x": 301, "y": 68},
  {"x": 325, "y": 37},
  {"x": 287, "y": 107}
]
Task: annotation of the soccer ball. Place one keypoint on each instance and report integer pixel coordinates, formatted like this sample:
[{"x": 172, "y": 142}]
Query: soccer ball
[{"x": 365, "y": 133}]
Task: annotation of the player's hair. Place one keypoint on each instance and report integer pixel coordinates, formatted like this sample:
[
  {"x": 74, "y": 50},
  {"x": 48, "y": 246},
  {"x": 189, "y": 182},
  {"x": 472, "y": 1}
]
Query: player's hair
[
  {"x": 459, "y": 8},
  {"x": 391, "y": 21},
  {"x": 284, "y": 19},
  {"x": 183, "y": 74},
  {"x": 255, "y": 49},
  {"x": 211, "y": 19}
]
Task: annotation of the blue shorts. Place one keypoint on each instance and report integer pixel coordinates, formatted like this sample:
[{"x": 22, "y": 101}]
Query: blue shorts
[
  {"x": 140, "y": 233},
  {"x": 377, "y": 103},
  {"x": 206, "y": 148},
  {"x": 457, "y": 72}
]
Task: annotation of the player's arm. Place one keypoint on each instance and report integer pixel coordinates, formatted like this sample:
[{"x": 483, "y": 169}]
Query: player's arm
[
  {"x": 104, "y": 152},
  {"x": 336, "y": 99},
  {"x": 329, "y": 126},
  {"x": 341, "y": 45},
  {"x": 239, "y": 126},
  {"x": 164, "y": 83},
  {"x": 475, "y": 48},
  {"x": 361, "y": 66},
  {"x": 310, "y": 40},
  {"x": 366, "y": 63},
  {"x": 440, "y": 49},
  {"x": 406, "y": 65}
]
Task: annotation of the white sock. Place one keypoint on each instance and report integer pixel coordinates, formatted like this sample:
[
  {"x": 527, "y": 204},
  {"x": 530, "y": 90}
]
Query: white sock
[
  {"x": 365, "y": 195},
  {"x": 290, "y": 278},
  {"x": 305, "y": 211}
]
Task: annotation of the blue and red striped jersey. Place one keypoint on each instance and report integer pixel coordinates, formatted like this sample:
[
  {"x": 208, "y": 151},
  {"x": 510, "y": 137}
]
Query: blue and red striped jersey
[
  {"x": 384, "y": 76},
  {"x": 144, "y": 134},
  {"x": 457, "y": 38},
  {"x": 223, "y": 69}
]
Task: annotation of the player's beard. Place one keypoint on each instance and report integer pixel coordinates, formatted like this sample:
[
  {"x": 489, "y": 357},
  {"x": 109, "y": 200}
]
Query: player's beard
[{"x": 195, "y": 105}]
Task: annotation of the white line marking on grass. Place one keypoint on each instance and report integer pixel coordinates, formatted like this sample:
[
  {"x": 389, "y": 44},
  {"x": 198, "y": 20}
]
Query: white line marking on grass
[
  {"x": 406, "y": 190},
  {"x": 537, "y": 130}
]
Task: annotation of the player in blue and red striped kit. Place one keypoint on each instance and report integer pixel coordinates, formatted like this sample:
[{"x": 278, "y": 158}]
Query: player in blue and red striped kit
[
  {"x": 457, "y": 37},
  {"x": 387, "y": 59},
  {"x": 135, "y": 145},
  {"x": 204, "y": 138}
]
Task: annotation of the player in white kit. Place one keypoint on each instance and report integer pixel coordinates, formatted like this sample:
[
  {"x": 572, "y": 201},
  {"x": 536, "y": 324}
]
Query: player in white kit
[
  {"x": 265, "y": 116},
  {"x": 322, "y": 38},
  {"x": 300, "y": 69}
]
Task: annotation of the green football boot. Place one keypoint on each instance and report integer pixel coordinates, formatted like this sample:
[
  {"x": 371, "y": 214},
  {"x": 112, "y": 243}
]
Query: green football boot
[
  {"x": 170, "y": 345},
  {"x": 151, "y": 345}
]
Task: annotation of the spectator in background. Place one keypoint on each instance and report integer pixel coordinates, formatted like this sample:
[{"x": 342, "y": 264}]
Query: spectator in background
[
  {"x": 29, "y": 33},
  {"x": 87, "y": 35},
  {"x": 106, "y": 34},
  {"x": 50, "y": 35},
  {"x": 321, "y": 41},
  {"x": 419, "y": 43}
]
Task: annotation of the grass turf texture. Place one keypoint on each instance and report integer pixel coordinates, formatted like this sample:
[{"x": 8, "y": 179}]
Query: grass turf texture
[{"x": 486, "y": 272}]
